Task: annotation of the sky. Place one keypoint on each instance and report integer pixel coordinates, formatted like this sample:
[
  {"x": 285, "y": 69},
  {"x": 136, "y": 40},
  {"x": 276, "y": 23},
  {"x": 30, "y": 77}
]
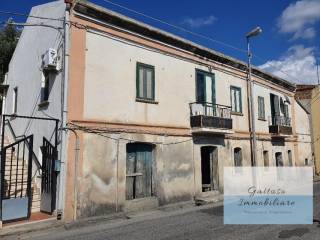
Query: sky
[{"x": 288, "y": 47}]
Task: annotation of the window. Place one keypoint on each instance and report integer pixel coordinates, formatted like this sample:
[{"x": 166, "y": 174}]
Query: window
[
  {"x": 279, "y": 161},
  {"x": 306, "y": 162},
  {"x": 286, "y": 110},
  {"x": 236, "y": 103},
  {"x": 290, "y": 158},
  {"x": 145, "y": 82},
  {"x": 139, "y": 171},
  {"x": 266, "y": 158},
  {"x": 45, "y": 86},
  {"x": 205, "y": 87},
  {"x": 15, "y": 100},
  {"x": 261, "y": 111},
  {"x": 237, "y": 157}
]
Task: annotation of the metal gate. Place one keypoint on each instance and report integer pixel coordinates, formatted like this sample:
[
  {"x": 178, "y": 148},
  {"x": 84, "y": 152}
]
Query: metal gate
[
  {"x": 49, "y": 179},
  {"x": 16, "y": 171}
]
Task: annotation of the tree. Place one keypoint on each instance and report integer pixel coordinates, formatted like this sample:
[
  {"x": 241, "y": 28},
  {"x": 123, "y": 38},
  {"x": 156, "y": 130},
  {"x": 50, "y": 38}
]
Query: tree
[{"x": 9, "y": 36}]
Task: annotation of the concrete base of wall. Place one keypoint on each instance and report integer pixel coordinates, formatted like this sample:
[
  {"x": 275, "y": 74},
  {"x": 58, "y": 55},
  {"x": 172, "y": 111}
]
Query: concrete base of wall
[{"x": 141, "y": 204}]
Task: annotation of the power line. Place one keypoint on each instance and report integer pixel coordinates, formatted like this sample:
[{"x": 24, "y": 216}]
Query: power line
[
  {"x": 31, "y": 16},
  {"x": 176, "y": 27},
  {"x": 165, "y": 23},
  {"x": 195, "y": 34},
  {"x": 102, "y": 132}
]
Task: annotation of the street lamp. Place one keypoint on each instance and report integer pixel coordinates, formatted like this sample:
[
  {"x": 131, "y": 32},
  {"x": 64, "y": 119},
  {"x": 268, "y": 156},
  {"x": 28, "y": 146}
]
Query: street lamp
[{"x": 253, "y": 139}]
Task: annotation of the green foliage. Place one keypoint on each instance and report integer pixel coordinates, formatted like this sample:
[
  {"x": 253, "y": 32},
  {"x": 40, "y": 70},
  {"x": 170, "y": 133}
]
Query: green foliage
[{"x": 9, "y": 36}]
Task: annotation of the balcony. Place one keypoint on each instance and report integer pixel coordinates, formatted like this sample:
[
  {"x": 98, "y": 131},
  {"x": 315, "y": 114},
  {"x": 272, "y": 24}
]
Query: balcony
[
  {"x": 210, "y": 118},
  {"x": 280, "y": 126}
]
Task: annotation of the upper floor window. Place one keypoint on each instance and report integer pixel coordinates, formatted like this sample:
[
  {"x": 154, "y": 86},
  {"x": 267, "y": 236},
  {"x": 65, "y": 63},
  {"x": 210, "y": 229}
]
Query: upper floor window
[
  {"x": 205, "y": 87},
  {"x": 45, "y": 86},
  {"x": 236, "y": 102},
  {"x": 15, "y": 100},
  {"x": 261, "y": 108},
  {"x": 145, "y": 82}
]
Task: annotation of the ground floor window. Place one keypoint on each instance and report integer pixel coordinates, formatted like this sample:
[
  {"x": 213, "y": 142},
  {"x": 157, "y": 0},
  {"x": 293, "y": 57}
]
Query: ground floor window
[
  {"x": 279, "y": 160},
  {"x": 139, "y": 171},
  {"x": 290, "y": 158},
  {"x": 266, "y": 158},
  {"x": 237, "y": 157}
]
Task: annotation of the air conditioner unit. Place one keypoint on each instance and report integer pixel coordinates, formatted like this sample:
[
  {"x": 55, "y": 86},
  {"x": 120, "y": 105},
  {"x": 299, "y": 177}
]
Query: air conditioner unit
[{"x": 50, "y": 59}]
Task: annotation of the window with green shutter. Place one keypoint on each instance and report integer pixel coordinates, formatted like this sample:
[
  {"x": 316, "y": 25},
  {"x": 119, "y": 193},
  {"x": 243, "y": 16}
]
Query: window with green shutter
[
  {"x": 261, "y": 108},
  {"x": 145, "y": 82},
  {"x": 236, "y": 101}
]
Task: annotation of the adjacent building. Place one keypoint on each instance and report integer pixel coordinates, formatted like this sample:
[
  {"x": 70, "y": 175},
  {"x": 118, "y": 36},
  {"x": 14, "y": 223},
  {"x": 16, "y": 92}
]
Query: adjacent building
[
  {"x": 151, "y": 118},
  {"x": 309, "y": 97}
]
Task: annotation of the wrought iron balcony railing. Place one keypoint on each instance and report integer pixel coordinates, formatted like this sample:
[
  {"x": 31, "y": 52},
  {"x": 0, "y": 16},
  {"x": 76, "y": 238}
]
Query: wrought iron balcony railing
[
  {"x": 209, "y": 109},
  {"x": 280, "y": 125},
  {"x": 208, "y": 115},
  {"x": 280, "y": 121}
]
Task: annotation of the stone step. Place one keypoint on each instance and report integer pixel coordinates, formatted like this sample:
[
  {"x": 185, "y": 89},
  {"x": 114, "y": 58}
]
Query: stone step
[{"x": 208, "y": 198}]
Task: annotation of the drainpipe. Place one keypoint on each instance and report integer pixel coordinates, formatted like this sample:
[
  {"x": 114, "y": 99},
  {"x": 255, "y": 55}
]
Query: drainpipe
[
  {"x": 76, "y": 171},
  {"x": 64, "y": 134},
  {"x": 252, "y": 110}
]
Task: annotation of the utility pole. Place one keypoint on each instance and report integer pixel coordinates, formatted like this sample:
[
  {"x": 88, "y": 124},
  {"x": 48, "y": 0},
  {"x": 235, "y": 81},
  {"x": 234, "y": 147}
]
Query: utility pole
[
  {"x": 317, "y": 64},
  {"x": 253, "y": 138}
]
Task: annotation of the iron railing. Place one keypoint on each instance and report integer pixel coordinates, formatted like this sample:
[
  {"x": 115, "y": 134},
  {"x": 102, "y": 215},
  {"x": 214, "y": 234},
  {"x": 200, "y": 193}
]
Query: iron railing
[
  {"x": 279, "y": 121},
  {"x": 209, "y": 109}
]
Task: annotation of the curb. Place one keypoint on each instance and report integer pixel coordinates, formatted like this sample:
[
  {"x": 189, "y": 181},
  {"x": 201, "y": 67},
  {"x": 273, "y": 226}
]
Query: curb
[
  {"x": 51, "y": 224},
  {"x": 30, "y": 227}
]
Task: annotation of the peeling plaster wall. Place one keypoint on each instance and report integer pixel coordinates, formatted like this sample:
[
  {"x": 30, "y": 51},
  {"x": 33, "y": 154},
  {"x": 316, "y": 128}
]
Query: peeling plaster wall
[
  {"x": 109, "y": 96},
  {"x": 103, "y": 164}
]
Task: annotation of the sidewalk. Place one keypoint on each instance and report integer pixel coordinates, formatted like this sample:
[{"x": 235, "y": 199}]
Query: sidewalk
[{"x": 55, "y": 225}]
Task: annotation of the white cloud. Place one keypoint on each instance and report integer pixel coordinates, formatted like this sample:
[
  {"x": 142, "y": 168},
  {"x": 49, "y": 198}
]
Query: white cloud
[
  {"x": 299, "y": 19},
  {"x": 298, "y": 65},
  {"x": 199, "y": 22}
]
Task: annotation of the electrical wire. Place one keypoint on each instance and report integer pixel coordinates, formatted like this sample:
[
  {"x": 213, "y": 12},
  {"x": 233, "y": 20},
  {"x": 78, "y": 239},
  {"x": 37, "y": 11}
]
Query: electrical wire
[
  {"x": 102, "y": 132},
  {"x": 165, "y": 23},
  {"x": 197, "y": 35},
  {"x": 176, "y": 27},
  {"x": 31, "y": 16}
]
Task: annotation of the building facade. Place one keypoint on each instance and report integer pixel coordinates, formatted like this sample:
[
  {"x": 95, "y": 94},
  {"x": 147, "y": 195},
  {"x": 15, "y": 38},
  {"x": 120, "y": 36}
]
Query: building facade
[
  {"x": 308, "y": 97},
  {"x": 153, "y": 119}
]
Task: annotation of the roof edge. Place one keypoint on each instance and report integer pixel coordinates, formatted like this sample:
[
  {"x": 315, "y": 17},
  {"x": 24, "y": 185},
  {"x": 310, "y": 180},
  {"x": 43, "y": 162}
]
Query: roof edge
[{"x": 105, "y": 15}]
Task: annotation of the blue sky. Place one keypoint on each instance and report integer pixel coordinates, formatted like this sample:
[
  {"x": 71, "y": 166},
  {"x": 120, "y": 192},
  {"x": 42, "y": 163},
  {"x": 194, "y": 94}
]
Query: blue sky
[{"x": 288, "y": 46}]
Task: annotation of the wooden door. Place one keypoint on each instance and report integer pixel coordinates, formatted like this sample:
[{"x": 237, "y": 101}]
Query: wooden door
[{"x": 139, "y": 171}]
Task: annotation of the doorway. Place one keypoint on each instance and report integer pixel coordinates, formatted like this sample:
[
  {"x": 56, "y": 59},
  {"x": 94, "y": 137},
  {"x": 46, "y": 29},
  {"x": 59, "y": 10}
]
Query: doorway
[
  {"x": 139, "y": 171},
  {"x": 209, "y": 168}
]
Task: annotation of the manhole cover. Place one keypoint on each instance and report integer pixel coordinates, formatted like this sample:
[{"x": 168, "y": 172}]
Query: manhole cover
[{"x": 297, "y": 232}]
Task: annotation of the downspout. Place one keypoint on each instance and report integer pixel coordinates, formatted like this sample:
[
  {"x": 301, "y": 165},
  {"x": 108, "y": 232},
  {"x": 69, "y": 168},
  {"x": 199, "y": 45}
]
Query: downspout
[
  {"x": 76, "y": 171},
  {"x": 64, "y": 113}
]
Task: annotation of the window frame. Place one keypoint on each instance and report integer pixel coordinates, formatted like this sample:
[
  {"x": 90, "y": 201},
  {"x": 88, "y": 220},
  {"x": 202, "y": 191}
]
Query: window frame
[
  {"x": 213, "y": 85},
  {"x": 263, "y": 117},
  {"x": 45, "y": 87},
  {"x": 235, "y": 88},
  {"x": 15, "y": 100},
  {"x": 144, "y": 98},
  {"x": 239, "y": 152}
]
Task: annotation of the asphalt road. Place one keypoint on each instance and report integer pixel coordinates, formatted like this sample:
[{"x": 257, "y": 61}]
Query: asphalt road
[{"x": 196, "y": 223}]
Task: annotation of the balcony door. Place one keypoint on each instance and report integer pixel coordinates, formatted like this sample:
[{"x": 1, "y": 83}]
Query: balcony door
[
  {"x": 275, "y": 108},
  {"x": 205, "y": 87}
]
